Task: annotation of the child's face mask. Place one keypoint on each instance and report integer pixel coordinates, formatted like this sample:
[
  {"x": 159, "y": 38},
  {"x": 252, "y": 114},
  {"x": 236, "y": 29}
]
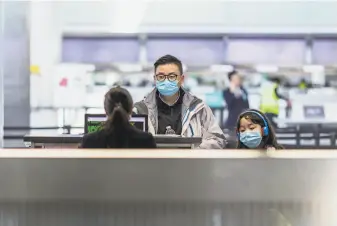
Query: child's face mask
[{"x": 251, "y": 139}]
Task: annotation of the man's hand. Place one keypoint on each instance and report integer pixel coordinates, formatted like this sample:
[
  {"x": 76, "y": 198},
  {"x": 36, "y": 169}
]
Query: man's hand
[
  {"x": 288, "y": 103},
  {"x": 232, "y": 88},
  {"x": 235, "y": 90}
]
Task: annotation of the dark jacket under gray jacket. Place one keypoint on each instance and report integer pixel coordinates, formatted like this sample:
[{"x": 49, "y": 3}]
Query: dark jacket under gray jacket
[{"x": 197, "y": 120}]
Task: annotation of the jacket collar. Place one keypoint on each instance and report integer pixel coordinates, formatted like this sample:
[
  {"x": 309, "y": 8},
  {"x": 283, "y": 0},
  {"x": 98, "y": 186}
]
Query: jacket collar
[
  {"x": 190, "y": 106},
  {"x": 188, "y": 99},
  {"x": 162, "y": 103}
]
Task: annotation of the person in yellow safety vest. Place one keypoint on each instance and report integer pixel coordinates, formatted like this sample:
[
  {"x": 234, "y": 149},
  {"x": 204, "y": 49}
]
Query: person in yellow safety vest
[
  {"x": 303, "y": 85},
  {"x": 269, "y": 104}
]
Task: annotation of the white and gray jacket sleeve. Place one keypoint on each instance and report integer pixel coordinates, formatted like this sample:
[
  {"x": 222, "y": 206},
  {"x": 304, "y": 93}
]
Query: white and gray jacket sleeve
[{"x": 212, "y": 135}]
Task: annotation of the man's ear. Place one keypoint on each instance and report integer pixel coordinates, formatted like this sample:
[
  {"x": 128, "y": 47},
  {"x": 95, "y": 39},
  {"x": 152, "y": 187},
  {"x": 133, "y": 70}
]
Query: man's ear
[
  {"x": 182, "y": 79},
  {"x": 262, "y": 131}
]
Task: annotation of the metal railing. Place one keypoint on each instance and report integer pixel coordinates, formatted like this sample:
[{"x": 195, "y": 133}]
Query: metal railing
[
  {"x": 284, "y": 135},
  {"x": 66, "y": 130},
  {"x": 221, "y": 111}
]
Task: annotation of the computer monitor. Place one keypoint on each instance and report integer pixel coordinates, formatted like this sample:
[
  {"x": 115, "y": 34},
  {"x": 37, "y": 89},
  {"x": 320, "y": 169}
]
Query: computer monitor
[{"x": 95, "y": 122}]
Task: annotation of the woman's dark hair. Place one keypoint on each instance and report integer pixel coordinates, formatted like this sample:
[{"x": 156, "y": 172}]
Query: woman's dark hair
[
  {"x": 254, "y": 116},
  {"x": 118, "y": 105}
]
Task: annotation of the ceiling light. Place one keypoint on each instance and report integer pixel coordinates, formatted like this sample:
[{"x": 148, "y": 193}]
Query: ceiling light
[
  {"x": 130, "y": 67},
  {"x": 266, "y": 68},
  {"x": 313, "y": 68},
  {"x": 222, "y": 68}
]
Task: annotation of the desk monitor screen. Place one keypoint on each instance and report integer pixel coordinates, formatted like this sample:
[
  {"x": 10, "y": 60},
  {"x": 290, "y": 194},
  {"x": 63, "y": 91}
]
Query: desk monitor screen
[
  {"x": 95, "y": 122},
  {"x": 314, "y": 112}
]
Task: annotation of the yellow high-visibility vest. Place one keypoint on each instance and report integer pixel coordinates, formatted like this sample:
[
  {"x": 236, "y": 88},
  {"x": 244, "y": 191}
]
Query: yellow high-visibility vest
[
  {"x": 269, "y": 100},
  {"x": 302, "y": 85}
]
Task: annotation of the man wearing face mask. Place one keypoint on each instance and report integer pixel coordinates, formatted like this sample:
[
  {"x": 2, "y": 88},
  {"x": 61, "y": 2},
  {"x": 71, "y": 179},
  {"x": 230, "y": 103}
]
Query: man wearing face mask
[{"x": 173, "y": 110}]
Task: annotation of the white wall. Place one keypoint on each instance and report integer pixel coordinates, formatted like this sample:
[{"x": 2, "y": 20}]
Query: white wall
[
  {"x": 1, "y": 73},
  {"x": 45, "y": 46}
]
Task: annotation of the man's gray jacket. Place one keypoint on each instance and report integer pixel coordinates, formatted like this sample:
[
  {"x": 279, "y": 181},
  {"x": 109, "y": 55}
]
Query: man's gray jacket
[{"x": 197, "y": 120}]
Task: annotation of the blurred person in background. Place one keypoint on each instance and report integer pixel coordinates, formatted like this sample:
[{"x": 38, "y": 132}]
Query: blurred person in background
[
  {"x": 173, "y": 110},
  {"x": 303, "y": 85},
  {"x": 270, "y": 96},
  {"x": 236, "y": 98},
  {"x": 118, "y": 132}
]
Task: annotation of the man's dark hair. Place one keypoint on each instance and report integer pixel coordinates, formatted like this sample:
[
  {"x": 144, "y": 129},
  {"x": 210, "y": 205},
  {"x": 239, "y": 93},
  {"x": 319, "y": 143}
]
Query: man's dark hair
[
  {"x": 231, "y": 74},
  {"x": 278, "y": 80},
  {"x": 169, "y": 59},
  {"x": 275, "y": 79}
]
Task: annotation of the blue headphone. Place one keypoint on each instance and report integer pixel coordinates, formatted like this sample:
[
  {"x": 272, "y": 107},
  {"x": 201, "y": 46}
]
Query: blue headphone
[{"x": 265, "y": 128}]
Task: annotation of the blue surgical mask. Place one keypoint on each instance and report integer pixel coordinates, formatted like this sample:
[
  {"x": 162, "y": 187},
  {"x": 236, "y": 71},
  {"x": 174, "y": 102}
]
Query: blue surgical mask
[
  {"x": 167, "y": 88},
  {"x": 251, "y": 139}
]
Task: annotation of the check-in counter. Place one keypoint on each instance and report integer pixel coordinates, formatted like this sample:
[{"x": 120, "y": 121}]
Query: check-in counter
[
  {"x": 163, "y": 187},
  {"x": 73, "y": 141},
  {"x": 307, "y": 122}
]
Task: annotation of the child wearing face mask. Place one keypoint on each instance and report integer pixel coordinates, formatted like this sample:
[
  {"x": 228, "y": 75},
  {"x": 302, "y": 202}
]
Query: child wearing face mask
[{"x": 255, "y": 132}]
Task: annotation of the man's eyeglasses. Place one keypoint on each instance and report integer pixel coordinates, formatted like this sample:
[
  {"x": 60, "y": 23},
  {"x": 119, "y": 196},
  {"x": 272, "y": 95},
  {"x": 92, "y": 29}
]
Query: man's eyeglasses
[{"x": 171, "y": 77}]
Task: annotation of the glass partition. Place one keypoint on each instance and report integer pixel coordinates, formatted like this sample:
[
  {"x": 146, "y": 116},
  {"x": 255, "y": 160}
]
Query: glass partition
[
  {"x": 100, "y": 50},
  {"x": 325, "y": 51},
  {"x": 191, "y": 51},
  {"x": 266, "y": 51}
]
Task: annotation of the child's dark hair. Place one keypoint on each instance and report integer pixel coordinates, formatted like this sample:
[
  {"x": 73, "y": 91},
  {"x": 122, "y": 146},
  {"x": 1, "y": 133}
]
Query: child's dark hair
[
  {"x": 255, "y": 117},
  {"x": 118, "y": 105}
]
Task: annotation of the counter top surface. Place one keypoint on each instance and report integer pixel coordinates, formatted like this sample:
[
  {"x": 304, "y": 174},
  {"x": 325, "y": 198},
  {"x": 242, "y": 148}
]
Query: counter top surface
[
  {"x": 168, "y": 175},
  {"x": 76, "y": 138}
]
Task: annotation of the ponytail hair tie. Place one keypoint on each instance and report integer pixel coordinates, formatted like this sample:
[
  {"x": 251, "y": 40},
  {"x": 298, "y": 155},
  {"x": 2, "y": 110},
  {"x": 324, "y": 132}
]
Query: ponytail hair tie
[{"x": 118, "y": 105}]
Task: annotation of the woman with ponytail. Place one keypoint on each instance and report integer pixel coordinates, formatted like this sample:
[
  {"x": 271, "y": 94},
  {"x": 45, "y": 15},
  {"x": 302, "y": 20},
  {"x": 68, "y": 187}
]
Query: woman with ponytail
[{"x": 117, "y": 132}]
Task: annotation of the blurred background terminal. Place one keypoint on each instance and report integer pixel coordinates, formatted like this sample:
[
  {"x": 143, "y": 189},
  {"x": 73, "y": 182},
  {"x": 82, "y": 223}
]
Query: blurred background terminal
[{"x": 58, "y": 58}]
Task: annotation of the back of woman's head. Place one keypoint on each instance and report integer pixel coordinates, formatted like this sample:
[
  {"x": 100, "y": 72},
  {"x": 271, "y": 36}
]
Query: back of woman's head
[
  {"x": 256, "y": 121},
  {"x": 118, "y": 107}
]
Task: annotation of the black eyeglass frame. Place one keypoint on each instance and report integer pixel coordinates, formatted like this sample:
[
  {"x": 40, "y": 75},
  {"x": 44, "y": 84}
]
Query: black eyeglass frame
[{"x": 170, "y": 77}]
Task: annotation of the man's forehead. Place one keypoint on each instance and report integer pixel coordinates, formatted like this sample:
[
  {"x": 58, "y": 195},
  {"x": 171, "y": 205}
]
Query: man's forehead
[{"x": 167, "y": 68}]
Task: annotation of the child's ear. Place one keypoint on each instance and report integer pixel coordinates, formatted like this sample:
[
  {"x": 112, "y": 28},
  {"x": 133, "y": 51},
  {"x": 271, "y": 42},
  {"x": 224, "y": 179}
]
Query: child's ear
[{"x": 262, "y": 132}]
